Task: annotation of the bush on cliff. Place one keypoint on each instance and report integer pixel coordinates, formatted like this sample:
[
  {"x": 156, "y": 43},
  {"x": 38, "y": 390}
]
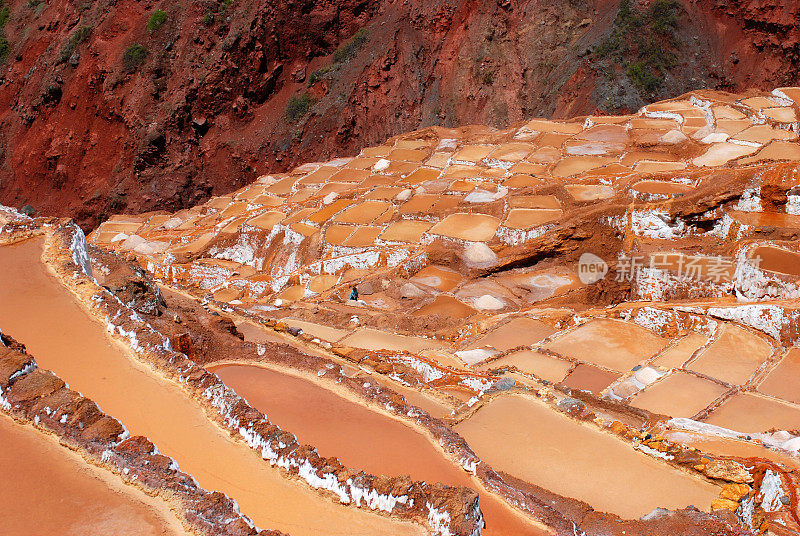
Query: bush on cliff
[
  {"x": 5, "y": 13},
  {"x": 157, "y": 19},
  {"x": 298, "y": 106},
  {"x": 348, "y": 51},
  {"x": 319, "y": 74},
  {"x": 343, "y": 54},
  {"x": 79, "y": 36},
  {"x": 5, "y": 49},
  {"x": 643, "y": 43},
  {"x": 133, "y": 57}
]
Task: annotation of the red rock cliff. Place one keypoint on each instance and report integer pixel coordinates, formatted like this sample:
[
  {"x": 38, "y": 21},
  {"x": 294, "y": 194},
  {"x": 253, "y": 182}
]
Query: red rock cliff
[{"x": 223, "y": 91}]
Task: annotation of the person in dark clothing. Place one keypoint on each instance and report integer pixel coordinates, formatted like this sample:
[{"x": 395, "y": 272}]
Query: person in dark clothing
[{"x": 354, "y": 294}]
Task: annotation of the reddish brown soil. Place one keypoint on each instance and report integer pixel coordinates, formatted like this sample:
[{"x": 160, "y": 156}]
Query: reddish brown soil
[{"x": 205, "y": 112}]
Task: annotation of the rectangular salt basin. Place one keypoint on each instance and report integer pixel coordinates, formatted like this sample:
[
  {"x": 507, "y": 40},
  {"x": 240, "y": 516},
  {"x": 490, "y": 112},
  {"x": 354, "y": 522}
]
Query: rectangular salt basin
[
  {"x": 520, "y": 331},
  {"x": 373, "y": 339},
  {"x": 363, "y": 213},
  {"x": 784, "y": 380},
  {"x": 612, "y": 344},
  {"x": 589, "y": 192},
  {"x": 532, "y": 362},
  {"x": 327, "y": 333},
  {"x": 446, "y": 306},
  {"x": 733, "y": 357},
  {"x": 405, "y": 231},
  {"x": 679, "y": 395},
  {"x": 782, "y": 261},
  {"x": 528, "y": 440},
  {"x": 681, "y": 351},
  {"x": 472, "y": 227},
  {"x": 729, "y": 447},
  {"x": 753, "y": 413},
  {"x": 441, "y": 277},
  {"x": 589, "y": 378}
]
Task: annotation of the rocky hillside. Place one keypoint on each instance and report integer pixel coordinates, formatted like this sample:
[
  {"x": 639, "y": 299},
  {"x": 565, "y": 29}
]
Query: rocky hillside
[{"x": 119, "y": 106}]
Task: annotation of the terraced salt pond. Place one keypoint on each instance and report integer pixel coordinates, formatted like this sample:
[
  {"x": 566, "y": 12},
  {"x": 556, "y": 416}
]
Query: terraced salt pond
[
  {"x": 520, "y": 331},
  {"x": 733, "y": 357},
  {"x": 777, "y": 260},
  {"x": 258, "y": 334},
  {"x": 784, "y": 380},
  {"x": 533, "y": 362},
  {"x": 659, "y": 187},
  {"x": 46, "y": 317},
  {"x": 609, "y": 343},
  {"x": 679, "y": 395},
  {"x": 750, "y": 412},
  {"x": 528, "y": 440},
  {"x": 55, "y": 492},
  {"x": 360, "y": 437},
  {"x": 729, "y": 447}
]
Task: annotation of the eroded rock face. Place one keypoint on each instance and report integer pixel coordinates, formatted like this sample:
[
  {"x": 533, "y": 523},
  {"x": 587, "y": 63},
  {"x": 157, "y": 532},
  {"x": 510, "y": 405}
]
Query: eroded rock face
[
  {"x": 88, "y": 134},
  {"x": 128, "y": 282}
]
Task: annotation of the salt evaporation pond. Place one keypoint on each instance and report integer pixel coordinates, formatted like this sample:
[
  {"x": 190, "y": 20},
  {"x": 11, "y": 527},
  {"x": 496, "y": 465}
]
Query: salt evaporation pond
[
  {"x": 49, "y": 489},
  {"x": 359, "y": 436},
  {"x": 42, "y": 314},
  {"x": 530, "y": 441}
]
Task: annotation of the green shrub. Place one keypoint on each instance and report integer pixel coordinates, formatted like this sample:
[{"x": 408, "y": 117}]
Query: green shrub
[
  {"x": 298, "y": 106},
  {"x": 5, "y": 13},
  {"x": 208, "y": 19},
  {"x": 157, "y": 19},
  {"x": 81, "y": 34},
  {"x": 348, "y": 51},
  {"x": 133, "y": 57},
  {"x": 5, "y": 49},
  {"x": 643, "y": 76},
  {"x": 318, "y": 75},
  {"x": 78, "y": 36},
  {"x": 626, "y": 18},
  {"x": 664, "y": 16},
  {"x": 33, "y": 3},
  {"x": 343, "y": 54},
  {"x": 643, "y": 42}
]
